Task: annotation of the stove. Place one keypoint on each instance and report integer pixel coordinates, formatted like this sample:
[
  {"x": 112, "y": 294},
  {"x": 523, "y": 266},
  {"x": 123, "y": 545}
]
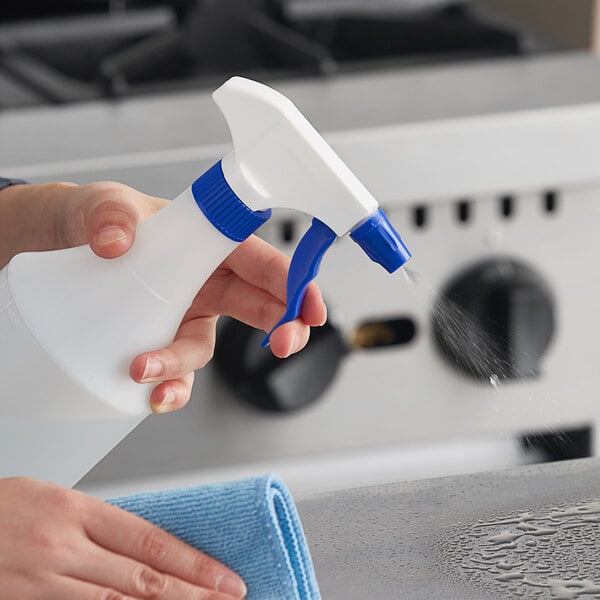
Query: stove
[
  {"x": 485, "y": 159},
  {"x": 132, "y": 49}
]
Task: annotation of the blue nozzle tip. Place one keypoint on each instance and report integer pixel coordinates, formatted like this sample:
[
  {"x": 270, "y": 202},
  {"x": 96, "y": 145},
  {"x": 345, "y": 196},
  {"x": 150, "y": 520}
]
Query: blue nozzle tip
[{"x": 381, "y": 242}]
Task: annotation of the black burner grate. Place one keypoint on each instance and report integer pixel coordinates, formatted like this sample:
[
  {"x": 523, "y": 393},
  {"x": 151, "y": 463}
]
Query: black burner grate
[{"x": 183, "y": 45}]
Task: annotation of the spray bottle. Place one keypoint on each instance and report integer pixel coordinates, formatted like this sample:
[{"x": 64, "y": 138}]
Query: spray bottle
[{"x": 71, "y": 322}]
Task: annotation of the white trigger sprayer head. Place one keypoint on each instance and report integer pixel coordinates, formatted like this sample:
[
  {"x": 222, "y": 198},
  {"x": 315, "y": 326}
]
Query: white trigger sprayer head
[{"x": 280, "y": 160}]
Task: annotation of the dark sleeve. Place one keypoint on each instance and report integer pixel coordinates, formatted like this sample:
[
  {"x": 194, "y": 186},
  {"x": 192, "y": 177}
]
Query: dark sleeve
[{"x": 4, "y": 182}]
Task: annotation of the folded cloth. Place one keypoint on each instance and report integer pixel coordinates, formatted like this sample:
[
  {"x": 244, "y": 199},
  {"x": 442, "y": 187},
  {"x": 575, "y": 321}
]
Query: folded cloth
[{"x": 250, "y": 525}]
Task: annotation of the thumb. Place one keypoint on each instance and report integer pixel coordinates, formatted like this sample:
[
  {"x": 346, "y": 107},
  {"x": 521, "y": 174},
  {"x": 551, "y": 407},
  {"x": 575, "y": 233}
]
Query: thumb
[
  {"x": 110, "y": 221},
  {"x": 107, "y": 215}
]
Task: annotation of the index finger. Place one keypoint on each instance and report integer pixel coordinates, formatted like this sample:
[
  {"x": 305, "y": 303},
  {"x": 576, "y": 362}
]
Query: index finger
[
  {"x": 261, "y": 265},
  {"x": 127, "y": 534}
]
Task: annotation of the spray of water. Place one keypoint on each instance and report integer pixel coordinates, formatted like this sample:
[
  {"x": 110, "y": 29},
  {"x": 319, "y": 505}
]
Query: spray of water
[
  {"x": 479, "y": 354},
  {"x": 483, "y": 357}
]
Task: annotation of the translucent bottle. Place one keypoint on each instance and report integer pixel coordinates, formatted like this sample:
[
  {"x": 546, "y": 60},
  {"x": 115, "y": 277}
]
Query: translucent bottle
[{"x": 71, "y": 322}]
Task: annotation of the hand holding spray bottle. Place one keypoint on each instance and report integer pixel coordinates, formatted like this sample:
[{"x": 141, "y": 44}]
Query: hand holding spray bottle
[{"x": 70, "y": 322}]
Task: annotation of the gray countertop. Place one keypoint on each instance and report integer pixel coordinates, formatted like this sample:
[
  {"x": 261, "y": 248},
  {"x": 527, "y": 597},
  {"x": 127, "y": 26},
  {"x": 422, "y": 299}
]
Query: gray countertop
[{"x": 530, "y": 532}]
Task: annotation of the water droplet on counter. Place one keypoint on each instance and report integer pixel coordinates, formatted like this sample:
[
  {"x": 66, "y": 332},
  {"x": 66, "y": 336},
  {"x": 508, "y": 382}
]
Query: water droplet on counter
[
  {"x": 506, "y": 537},
  {"x": 550, "y": 553},
  {"x": 585, "y": 509},
  {"x": 509, "y": 576},
  {"x": 506, "y": 566}
]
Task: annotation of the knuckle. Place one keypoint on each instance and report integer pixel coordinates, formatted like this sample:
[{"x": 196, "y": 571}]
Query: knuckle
[
  {"x": 175, "y": 364},
  {"x": 45, "y": 537},
  {"x": 63, "y": 500},
  {"x": 275, "y": 266},
  {"x": 96, "y": 192},
  {"x": 154, "y": 545},
  {"x": 148, "y": 583},
  {"x": 222, "y": 288},
  {"x": 109, "y": 203},
  {"x": 110, "y": 215},
  {"x": 271, "y": 312},
  {"x": 104, "y": 189},
  {"x": 181, "y": 364},
  {"x": 199, "y": 567}
]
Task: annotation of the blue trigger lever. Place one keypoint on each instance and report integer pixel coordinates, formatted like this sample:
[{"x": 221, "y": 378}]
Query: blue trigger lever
[{"x": 303, "y": 269}]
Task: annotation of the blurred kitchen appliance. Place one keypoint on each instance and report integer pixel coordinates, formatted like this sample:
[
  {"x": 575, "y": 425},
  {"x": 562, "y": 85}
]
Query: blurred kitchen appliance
[
  {"x": 577, "y": 24},
  {"x": 486, "y": 164},
  {"x": 143, "y": 47}
]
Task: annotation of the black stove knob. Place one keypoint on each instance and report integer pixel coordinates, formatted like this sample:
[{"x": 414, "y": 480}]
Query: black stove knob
[
  {"x": 257, "y": 377},
  {"x": 495, "y": 320}
]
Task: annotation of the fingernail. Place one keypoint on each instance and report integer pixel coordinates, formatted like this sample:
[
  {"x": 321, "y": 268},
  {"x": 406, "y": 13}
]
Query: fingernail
[
  {"x": 324, "y": 314},
  {"x": 155, "y": 367},
  {"x": 231, "y": 585},
  {"x": 165, "y": 405},
  {"x": 110, "y": 235},
  {"x": 294, "y": 345}
]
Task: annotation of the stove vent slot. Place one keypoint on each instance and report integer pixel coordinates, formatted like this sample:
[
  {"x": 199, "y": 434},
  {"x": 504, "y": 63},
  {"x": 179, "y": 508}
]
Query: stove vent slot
[
  {"x": 420, "y": 216},
  {"x": 464, "y": 211},
  {"x": 550, "y": 201},
  {"x": 507, "y": 206},
  {"x": 288, "y": 231}
]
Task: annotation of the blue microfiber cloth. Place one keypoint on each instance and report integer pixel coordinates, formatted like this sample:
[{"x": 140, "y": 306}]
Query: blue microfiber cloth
[{"x": 250, "y": 525}]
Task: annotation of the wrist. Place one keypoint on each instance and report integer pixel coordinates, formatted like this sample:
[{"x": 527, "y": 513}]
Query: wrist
[{"x": 31, "y": 217}]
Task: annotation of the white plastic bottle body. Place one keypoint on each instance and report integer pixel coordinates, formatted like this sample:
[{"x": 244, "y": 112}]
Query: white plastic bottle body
[
  {"x": 71, "y": 323},
  {"x": 27, "y": 369}
]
